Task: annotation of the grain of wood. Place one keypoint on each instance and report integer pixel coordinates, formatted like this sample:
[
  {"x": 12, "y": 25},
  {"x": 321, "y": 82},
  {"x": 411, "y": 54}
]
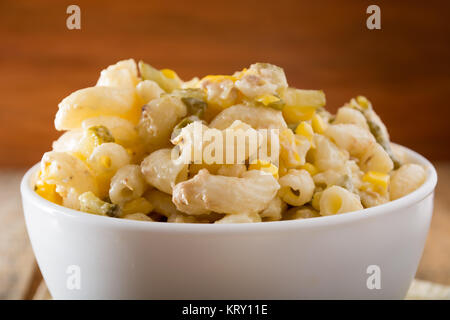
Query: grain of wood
[
  {"x": 16, "y": 256},
  {"x": 42, "y": 292},
  {"x": 435, "y": 263}
]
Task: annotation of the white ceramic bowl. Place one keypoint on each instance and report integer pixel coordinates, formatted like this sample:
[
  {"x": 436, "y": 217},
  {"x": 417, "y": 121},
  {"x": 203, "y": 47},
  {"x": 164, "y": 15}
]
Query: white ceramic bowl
[{"x": 319, "y": 258}]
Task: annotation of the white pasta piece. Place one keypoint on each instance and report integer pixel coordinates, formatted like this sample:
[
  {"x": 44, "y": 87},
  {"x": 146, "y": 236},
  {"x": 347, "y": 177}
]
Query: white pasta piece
[
  {"x": 297, "y": 187},
  {"x": 105, "y": 160},
  {"x": 158, "y": 119},
  {"x": 327, "y": 155},
  {"x": 349, "y": 115},
  {"x": 232, "y": 170},
  {"x": 274, "y": 211},
  {"x": 335, "y": 200},
  {"x": 376, "y": 159},
  {"x": 127, "y": 184},
  {"x": 315, "y": 203},
  {"x": 193, "y": 83},
  {"x": 219, "y": 92},
  {"x": 148, "y": 90},
  {"x": 162, "y": 203},
  {"x": 70, "y": 175},
  {"x": 190, "y": 141},
  {"x": 399, "y": 153},
  {"x": 256, "y": 117},
  {"x": 184, "y": 218},
  {"x": 328, "y": 178},
  {"x": 293, "y": 148},
  {"x": 181, "y": 218},
  {"x": 348, "y": 176},
  {"x": 213, "y": 168},
  {"x": 240, "y": 218},
  {"x": 68, "y": 141},
  {"x": 297, "y": 213},
  {"x": 162, "y": 172},
  {"x": 123, "y": 131},
  {"x": 406, "y": 179},
  {"x": 205, "y": 192},
  {"x": 240, "y": 148},
  {"x": 70, "y": 197},
  {"x": 354, "y": 172},
  {"x": 138, "y": 216},
  {"x": 97, "y": 101},
  {"x": 122, "y": 74},
  {"x": 261, "y": 79},
  {"x": 199, "y": 144},
  {"x": 371, "y": 199},
  {"x": 350, "y": 137}
]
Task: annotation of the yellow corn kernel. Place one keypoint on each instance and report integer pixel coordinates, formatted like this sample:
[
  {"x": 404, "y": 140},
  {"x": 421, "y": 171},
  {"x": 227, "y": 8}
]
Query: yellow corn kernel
[
  {"x": 267, "y": 99},
  {"x": 47, "y": 191},
  {"x": 139, "y": 205},
  {"x": 305, "y": 129},
  {"x": 219, "y": 78},
  {"x": 310, "y": 168},
  {"x": 378, "y": 180},
  {"x": 318, "y": 125},
  {"x": 168, "y": 73},
  {"x": 294, "y": 114},
  {"x": 363, "y": 102},
  {"x": 265, "y": 166},
  {"x": 105, "y": 161}
]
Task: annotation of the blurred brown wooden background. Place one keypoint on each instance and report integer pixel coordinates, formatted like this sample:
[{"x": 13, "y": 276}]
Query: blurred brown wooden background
[{"x": 403, "y": 68}]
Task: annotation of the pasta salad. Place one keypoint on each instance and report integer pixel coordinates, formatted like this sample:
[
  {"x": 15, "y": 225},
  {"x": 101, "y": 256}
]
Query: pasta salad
[{"x": 143, "y": 144}]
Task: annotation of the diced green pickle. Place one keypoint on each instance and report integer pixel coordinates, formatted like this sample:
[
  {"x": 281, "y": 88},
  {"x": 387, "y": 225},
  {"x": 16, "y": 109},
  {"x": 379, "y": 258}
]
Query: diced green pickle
[
  {"x": 100, "y": 134},
  {"x": 90, "y": 203},
  {"x": 194, "y": 99},
  {"x": 364, "y": 106},
  {"x": 150, "y": 73},
  {"x": 183, "y": 123}
]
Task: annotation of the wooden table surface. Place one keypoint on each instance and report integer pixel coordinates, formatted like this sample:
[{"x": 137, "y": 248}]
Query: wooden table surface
[{"x": 20, "y": 278}]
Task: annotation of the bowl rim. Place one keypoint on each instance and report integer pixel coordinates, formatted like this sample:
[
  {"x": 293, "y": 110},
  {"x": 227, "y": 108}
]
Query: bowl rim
[{"x": 427, "y": 188}]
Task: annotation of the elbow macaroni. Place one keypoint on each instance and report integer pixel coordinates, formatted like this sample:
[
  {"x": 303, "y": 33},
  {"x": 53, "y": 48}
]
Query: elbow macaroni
[{"x": 116, "y": 157}]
